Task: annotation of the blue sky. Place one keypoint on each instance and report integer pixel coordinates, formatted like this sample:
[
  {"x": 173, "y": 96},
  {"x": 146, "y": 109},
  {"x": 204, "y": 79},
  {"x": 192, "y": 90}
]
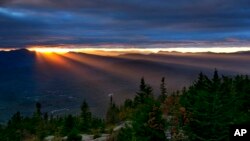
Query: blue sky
[{"x": 136, "y": 23}]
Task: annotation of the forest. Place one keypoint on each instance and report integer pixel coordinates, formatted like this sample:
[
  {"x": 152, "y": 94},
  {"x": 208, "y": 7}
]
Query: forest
[{"x": 198, "y": 112}]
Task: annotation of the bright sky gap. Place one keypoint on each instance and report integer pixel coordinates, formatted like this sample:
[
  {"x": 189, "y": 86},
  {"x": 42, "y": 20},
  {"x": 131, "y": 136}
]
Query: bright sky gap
[{"x": 146, "y": 50}]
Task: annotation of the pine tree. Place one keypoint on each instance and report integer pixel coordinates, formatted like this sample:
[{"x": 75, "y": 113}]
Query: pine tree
[
  {"x": 156, "y": 124},
  {"x": 85, "y": 117},
  {"x": 46, "y": 116},
  {"x": 145, "y": 92},
  {"x": 148, "y": 124},
  {"x": 16, "y": 118},
  {"x": 142, "y": 85},
  {"x": 163, "y": 89},
  {"x": 215, "y": 81},
  {"x": 211, "y": 107},
  {"x": 38, "y": 113},
  {"x": 68, "y": 125},
  {"x": 112, "y": 112},
  {"x": 202, "y": 82}
]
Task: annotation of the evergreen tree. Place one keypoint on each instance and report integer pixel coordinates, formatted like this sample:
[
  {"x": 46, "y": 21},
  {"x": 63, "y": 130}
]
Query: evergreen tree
[
  {"x": 37, "y": 115},
  {"x": 202, "y": 83},
  {"x": 148, "y": 124},
  {"x": 128, "y": 103},
  {"x": 143, "y": 84},
  {"x": 212, "y": 105},
  {"x": 13, "y": 131},
  {"x": 156, "y": 124},
  {"x": 74, "y": 136},
  {"x": 46, "y": 117},
  {"x": 145, "y": 91},
  {"x": 215, "y": 81},
  {"x": 85, "y": 117},
  {"x": 216, "y": 78},
  {"x": 112, "y": 113},
  {"x": 16, "y": 119},
  {"x": 125, "y": 134},
  {"x": 68, "y": 125},
  {"x": 163, "y": 89},
  {"x": 38, "y": 108}
]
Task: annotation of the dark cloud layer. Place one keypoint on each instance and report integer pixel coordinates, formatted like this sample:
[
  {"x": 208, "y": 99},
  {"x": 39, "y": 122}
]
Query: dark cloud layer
[{"x": 131, "y": 22}]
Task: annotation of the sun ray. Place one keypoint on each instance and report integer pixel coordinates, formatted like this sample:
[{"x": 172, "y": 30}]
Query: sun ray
[
  {"x": 105, "y": 64},
  {"x": 85, "y": 73}
]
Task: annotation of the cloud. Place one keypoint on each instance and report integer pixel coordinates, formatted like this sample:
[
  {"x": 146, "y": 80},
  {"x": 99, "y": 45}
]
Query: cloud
[{"x": 134, "y": 22}]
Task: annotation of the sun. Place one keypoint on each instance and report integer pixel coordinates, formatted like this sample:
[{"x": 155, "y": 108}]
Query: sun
[{"x": 49, "y": 50}]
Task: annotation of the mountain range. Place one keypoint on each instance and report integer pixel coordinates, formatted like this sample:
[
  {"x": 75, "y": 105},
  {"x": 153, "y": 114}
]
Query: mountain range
[{"x": 62, "y": 81}]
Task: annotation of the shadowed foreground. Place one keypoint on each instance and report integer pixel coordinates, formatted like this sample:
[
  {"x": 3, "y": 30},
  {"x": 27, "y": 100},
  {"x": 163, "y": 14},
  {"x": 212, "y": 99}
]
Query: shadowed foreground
[{"x": 194, "y": 113}]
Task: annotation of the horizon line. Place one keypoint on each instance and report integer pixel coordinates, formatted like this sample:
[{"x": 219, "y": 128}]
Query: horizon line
[{"x": 47, "y": 49}]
